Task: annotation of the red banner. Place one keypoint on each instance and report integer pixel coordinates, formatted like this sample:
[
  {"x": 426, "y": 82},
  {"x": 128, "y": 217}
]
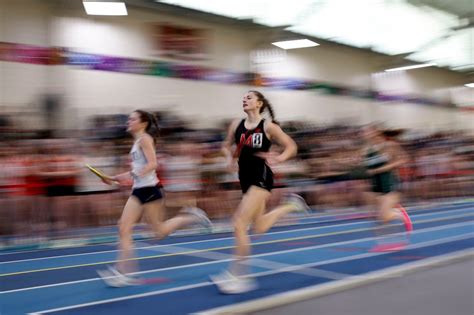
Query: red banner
[{"x": 180, "y": 42}]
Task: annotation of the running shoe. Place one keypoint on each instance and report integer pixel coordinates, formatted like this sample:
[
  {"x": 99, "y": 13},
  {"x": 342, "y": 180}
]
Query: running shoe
[
  {"x": 228, "y": 283},
  {"x": 406, "y": 219},
  {"x": 388, "y": 247},
  {"x": 297, "y": 201},
  {"x": 114, "y": 278},
  {"x": 202, "y": 217}
]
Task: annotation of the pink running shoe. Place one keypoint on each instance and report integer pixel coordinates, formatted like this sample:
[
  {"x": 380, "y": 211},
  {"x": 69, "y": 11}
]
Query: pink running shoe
[
  {"x": 389, "y": 247},
  {"x": 406, "y": 219}
]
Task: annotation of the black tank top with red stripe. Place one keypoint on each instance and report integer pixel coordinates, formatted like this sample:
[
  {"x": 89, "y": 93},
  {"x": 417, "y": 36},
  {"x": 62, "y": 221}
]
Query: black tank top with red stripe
[{"x": 250, "y": 142}]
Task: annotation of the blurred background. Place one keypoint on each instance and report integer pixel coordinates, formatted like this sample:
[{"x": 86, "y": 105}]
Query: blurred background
[{"x": 69, "y": 79}]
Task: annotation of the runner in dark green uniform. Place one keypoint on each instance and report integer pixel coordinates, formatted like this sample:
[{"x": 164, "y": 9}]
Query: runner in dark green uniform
[
  {"x": 385, "y": 181},
  {"x": 382, "y": 158}
]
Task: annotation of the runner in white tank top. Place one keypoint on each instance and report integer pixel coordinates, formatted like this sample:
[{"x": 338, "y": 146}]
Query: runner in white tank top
[
  {"x": 146, "y": 197},
  {"x": 139, "y": 162}
]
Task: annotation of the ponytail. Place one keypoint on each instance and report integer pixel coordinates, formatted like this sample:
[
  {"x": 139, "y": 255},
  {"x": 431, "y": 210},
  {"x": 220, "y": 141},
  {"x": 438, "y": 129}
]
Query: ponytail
[
  {"x": 269, "y": 108},
  {"x": 266, "y": 106}
]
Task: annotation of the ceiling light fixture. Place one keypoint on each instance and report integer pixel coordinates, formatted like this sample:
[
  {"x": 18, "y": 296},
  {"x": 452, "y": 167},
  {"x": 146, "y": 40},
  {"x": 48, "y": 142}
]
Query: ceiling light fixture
[
  {"x": 105, "y": 8},
  {"x": 293, "y": 44},
  {"x": 424, "y": 65}
]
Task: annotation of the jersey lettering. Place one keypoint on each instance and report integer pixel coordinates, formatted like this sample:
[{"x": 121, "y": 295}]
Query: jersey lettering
[
  {"x": 254, "y": 140},
  {"x": 257, "y": 139},
  {"x": 245, "y": 141}
]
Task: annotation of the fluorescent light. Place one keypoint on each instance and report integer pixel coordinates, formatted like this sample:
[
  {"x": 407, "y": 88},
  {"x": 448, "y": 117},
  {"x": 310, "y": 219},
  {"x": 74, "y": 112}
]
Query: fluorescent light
[
  {"x": 105, "y": 8},
  {"x": 412, "y": 67},
  {"x": 471, "y": 85},
  {"x": 292, "y": 44}
]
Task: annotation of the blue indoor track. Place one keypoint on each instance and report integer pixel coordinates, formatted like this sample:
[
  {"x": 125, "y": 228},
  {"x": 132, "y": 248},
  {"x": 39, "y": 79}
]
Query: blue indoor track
[{"x": 312, "y": 253}]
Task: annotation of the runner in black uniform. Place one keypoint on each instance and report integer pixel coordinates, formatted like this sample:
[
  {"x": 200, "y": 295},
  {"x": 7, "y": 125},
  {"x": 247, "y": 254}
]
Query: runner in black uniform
[
  {"x": 253, "y": 137},
  {"x": 252, "y": 169}
]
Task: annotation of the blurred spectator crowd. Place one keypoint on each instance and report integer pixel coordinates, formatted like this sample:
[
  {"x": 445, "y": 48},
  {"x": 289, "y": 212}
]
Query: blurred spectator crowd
[{"x": 45, "y": 187}]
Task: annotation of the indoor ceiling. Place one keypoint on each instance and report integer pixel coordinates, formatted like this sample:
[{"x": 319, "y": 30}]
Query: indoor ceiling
[{"x": 437, "y": 31}]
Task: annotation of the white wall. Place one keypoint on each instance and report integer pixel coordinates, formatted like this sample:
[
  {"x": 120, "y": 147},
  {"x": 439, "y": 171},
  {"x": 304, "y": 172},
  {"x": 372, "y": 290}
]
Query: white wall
[
  {"x": 131, "y": 36},
  {"x": 88, "y": 92},
  {"x": 463, "y": 96},
  {"x": 433, "y": 83},
  {"x": 97, "y": 92},
  {"x": 326, "y": 63},
  {"x": 23, "y": 22}
]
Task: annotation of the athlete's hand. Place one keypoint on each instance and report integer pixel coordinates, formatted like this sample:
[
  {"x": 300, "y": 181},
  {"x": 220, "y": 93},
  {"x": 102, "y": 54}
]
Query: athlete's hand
[
  {"x": 107, "y": 180},
  {"x": 371, "y": 172},
  {"x": 124, "y": 180},
  {"x": 271, "y": 158},
  {"x": 231, "y": 165}
]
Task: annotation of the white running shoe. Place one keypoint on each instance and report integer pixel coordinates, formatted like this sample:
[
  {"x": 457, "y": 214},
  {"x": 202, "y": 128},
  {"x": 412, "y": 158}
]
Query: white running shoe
[
  {"x": 222, "y": 277},
  {"x": 240, "y": 285},
  {"x": 200, "y": 215},
  {"x": 227, "y": 283},
  {"x": 114, "y": 278},
  {"x": 109, "y": 278},
  {"x": 298, "y": 202}
]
